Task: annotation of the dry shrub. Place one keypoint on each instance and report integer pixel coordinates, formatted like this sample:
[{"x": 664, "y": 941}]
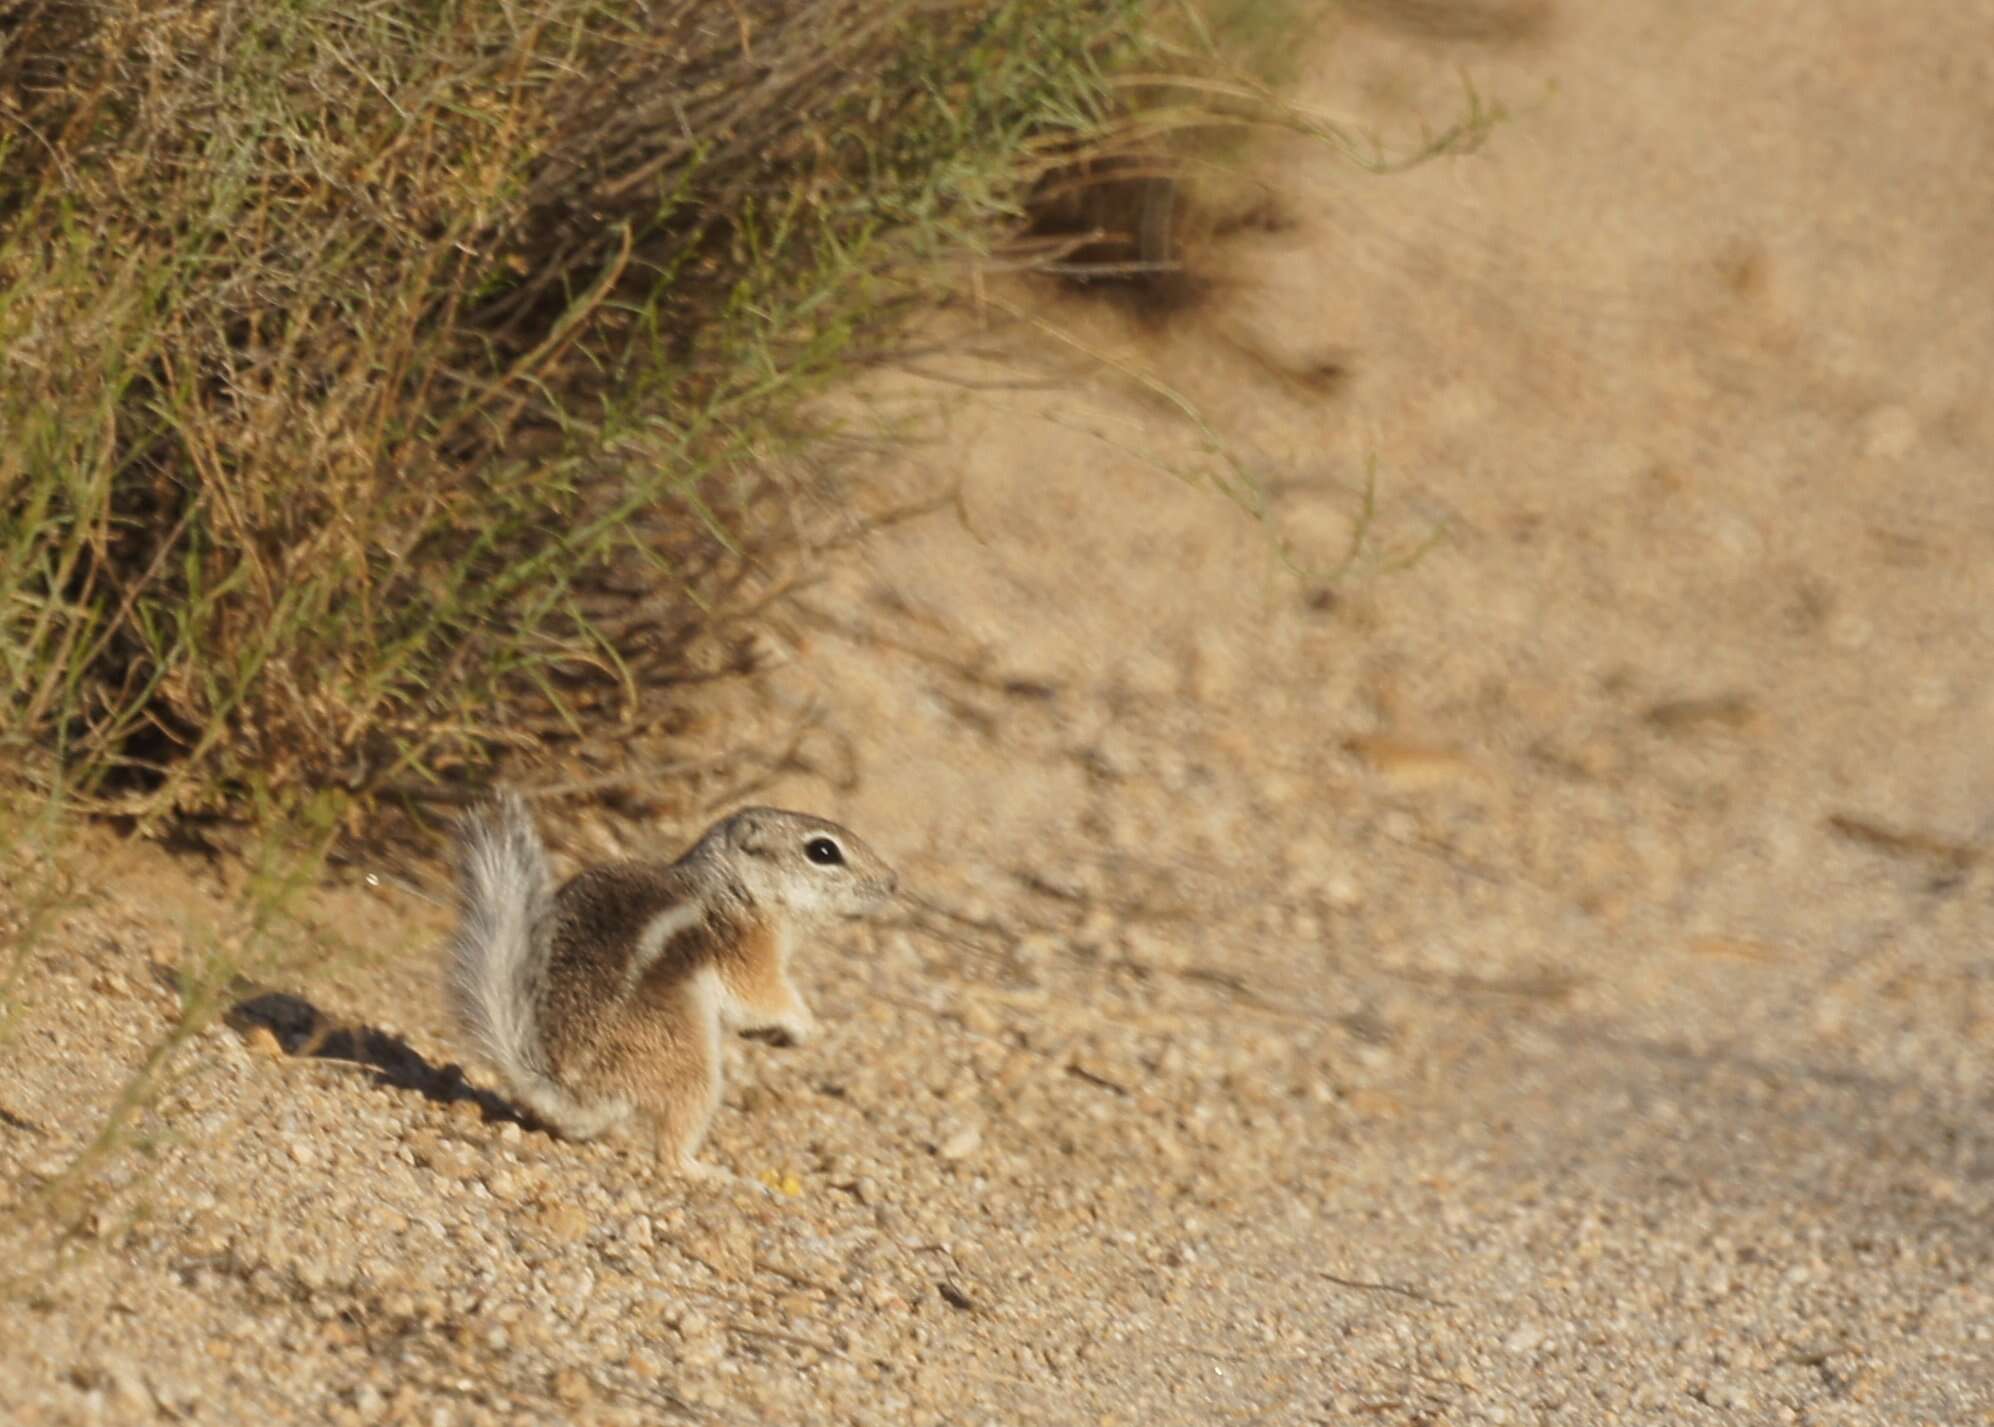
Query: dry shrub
[{"x": 357, "y": 357}]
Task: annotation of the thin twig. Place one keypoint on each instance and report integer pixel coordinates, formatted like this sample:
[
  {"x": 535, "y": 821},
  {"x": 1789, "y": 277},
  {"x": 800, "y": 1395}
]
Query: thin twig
[{"x": 1399, "y": 1289}]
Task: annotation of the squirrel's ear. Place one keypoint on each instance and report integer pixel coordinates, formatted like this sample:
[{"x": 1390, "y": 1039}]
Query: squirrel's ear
[{"x": 748, "y": 835}]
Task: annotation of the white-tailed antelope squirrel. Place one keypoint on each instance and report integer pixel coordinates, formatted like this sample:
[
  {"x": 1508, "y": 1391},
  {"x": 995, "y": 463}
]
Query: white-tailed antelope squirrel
[{"x": 604, "y": 1001}]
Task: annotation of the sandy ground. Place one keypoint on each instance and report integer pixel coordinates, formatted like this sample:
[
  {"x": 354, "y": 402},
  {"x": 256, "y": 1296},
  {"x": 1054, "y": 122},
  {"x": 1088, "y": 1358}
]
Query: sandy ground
[{"x": 1549, "y": 980}]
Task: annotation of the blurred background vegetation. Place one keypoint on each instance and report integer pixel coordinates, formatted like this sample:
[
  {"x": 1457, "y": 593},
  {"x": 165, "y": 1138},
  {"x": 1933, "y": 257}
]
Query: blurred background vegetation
[
  {"x": 373, "y": 372},
  {"x": 386, "y": 384}
]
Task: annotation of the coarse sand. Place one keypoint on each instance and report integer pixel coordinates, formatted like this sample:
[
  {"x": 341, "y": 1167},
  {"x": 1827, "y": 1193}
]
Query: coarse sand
[{"x": 1542, "y": 975}]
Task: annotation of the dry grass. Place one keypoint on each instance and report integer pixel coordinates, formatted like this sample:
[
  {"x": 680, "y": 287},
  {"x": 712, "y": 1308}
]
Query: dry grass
[{"x": 352, "y": 351}]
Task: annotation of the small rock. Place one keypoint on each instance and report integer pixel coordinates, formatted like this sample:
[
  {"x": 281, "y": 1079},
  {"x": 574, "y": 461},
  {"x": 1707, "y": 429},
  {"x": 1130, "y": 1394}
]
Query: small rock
[
  {"x": 1525, "y": 1339},
  {"x": 962, "y": 1143},
  {"x": 453, "y": 1162},
  {"x": 1342, "y": 891},
  {"x": 638, "y": 1234},
  {"x": 1034, "y": 949},
  {"x": 572, "y": 1291},
  {"x": 978, "y": 1019},
  {"x": 128, "y": 1389},
  {"x": 564, "y": 1223},
  {"x": 174, "y": 1394}
]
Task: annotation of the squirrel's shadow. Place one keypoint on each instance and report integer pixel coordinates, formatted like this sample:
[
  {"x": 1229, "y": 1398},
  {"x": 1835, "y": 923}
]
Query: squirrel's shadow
[{"x": 303, "y": 1031}]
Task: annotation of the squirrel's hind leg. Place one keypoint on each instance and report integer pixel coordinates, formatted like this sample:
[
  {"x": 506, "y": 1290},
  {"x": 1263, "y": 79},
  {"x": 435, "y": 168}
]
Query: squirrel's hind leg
[{"x": 668, "y": 1061}]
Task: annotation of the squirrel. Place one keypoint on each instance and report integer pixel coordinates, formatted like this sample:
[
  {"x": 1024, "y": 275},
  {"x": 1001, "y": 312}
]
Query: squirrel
[{"x": 602, "y": 1002}]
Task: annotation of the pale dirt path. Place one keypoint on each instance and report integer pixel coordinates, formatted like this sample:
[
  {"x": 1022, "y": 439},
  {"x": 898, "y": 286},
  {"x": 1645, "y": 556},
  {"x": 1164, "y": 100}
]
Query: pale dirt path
[
  {"x": 1482, "y": 929},
  {"x": 1692, "y": 366}
]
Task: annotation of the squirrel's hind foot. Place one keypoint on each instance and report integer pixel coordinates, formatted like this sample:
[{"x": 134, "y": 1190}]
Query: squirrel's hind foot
[{"x": 712, "y": 1175}]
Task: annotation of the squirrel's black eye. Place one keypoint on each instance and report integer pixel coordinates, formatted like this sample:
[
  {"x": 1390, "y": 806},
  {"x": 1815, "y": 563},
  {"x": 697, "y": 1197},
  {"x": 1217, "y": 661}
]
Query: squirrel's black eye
[{"x": 824, "y": 852}]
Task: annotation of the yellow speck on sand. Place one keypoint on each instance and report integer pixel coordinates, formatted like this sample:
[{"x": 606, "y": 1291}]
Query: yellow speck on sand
[{"x": 786, "y": 1184}]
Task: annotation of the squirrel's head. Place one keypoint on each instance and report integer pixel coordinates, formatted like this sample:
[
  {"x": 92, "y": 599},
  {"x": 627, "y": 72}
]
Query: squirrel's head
[{"x": 815, "y": 870}]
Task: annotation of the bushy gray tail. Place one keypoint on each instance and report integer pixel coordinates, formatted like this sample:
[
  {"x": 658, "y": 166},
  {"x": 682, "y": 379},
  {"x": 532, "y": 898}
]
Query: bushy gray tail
[{"x": 498, "y": 960}]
